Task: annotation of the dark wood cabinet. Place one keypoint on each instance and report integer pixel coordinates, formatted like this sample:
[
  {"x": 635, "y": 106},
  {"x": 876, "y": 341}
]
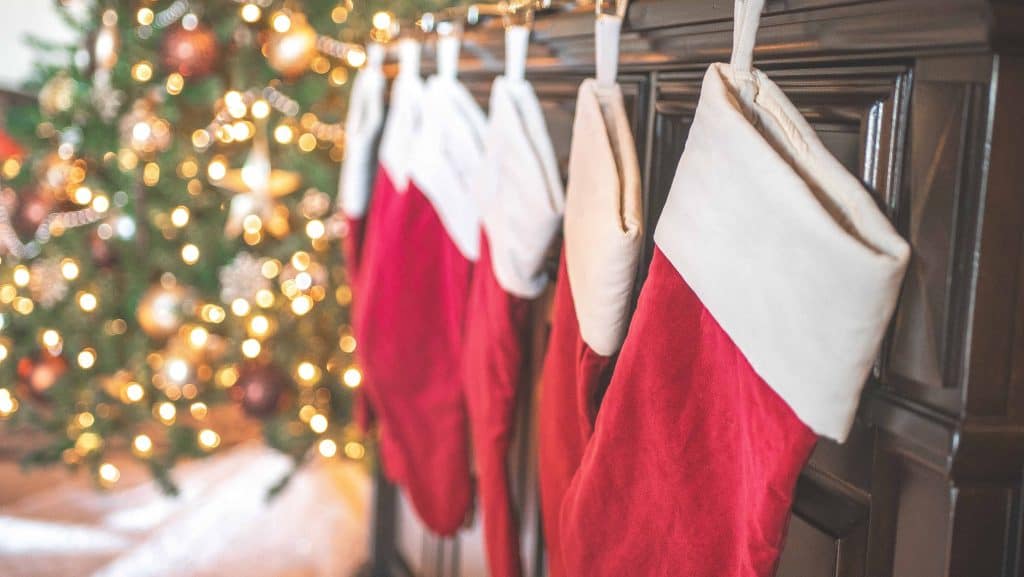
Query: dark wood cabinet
[{"x": 924, "y": 100}]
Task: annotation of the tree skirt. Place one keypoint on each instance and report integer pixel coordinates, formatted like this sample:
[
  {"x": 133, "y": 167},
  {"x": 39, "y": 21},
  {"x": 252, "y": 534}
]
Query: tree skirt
[{"x": 222, "y": 523}]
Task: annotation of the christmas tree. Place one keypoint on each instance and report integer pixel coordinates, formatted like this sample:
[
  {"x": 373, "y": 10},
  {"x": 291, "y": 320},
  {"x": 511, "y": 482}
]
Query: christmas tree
[{"x": 169, "y": 250}]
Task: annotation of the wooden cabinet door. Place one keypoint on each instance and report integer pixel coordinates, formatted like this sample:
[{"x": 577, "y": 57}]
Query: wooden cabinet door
[{"x": 916, "y": 99}]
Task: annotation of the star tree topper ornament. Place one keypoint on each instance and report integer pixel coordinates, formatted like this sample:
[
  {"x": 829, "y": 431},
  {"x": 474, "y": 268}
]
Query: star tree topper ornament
[
  {"x": 106, "y": 49},
  {"x": 256, "y": 186}
]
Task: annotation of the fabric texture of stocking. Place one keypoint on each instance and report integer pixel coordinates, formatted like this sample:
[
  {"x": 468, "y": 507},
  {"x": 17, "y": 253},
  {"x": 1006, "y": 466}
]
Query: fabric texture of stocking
[
  {"x": 395, "y": 152},
  {"x": 603, "y": 230},
  {"x": 362, "y": 128},
  {"x": 521, "y": 200},
  {"x": 414, "y": 306}
]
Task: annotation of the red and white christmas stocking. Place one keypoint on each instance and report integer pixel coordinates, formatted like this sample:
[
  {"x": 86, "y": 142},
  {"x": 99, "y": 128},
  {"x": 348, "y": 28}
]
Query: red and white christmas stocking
[
  {"x": 773, "y": 281},
  {"x": 362, "y": 127},
  {"x": 413, "y": 315},
  {"x": 521, "y": 202},
  {"x": 603, "y": 231},
  {"x": 379, "y": 238}
]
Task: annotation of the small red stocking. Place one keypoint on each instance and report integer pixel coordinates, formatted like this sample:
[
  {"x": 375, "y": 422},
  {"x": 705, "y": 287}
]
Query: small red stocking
[
  {"x": 414, "y": 304},
  {"x": 367, "y": 245},
  {"x": 362, "y": 126},
  {"x": 521, "y": 200}
]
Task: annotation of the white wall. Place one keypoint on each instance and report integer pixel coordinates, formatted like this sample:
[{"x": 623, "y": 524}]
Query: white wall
[{"x": 18, "y": 17}]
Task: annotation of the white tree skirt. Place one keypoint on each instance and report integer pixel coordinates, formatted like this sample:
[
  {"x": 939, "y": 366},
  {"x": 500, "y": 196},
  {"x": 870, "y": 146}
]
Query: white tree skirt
[{"x": 221, "y": 523}]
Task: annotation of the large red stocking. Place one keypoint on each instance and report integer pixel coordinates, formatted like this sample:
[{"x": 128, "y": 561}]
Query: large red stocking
[
  {"x": 708, "y": 454},
  {"x": 772, "y": 283}
]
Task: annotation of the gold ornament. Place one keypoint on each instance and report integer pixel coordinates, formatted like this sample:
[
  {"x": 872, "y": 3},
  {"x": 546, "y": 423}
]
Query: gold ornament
[
  {"x": 106, "y": 48},
  {"x": 195, "y": 349},
  {"x": 57, "y": 95},
  {"x": 291, "y": 50},
  {"x": 161, "y": 310},
  {"x": 256, "y": 185},
  {"x": 117, "y": 386}
]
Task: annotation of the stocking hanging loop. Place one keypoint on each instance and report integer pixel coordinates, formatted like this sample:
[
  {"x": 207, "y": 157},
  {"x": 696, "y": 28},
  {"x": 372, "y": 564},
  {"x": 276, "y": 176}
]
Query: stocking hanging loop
[
  {"x": 448, "y": 46},
  {"x": 517, "y": 47},
  {"x": 607, "y": 28},
  {"x": 409, "y": 57},
  {"x": 746, "y": 19},
  {"x": 375, "y": 53}
]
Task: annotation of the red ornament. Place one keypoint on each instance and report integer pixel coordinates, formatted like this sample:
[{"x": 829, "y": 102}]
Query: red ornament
[
  {"x": 39, "y": 373},
  {"x": 9, "y": 148},
  {"x": 102, "y": 254},
  {"x": 260, "y": 388},
  {"x": 32, "y": 211},
  {"x": 191, "y": 53}
]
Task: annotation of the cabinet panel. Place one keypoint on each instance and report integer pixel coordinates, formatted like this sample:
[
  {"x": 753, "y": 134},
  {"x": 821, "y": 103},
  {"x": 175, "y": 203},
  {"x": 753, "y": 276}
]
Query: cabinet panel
[
  {"x": 816, "y": 554},
  {"x": 922, "y": 520},
  {"x": 911, "y": 98},
  {"x": 828, "y": 534},
  {"x": 946, "y": 131},
  {"x": 919, "y": 342}
]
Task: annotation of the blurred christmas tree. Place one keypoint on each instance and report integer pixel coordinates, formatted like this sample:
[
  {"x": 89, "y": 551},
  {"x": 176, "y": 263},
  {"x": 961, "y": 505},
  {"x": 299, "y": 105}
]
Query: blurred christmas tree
[{"x": 167, "y": 239}]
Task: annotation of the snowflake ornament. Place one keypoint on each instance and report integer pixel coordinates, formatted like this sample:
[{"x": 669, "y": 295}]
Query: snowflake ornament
[
  {"x": 47, "y": 285},
  {"x": 242, "y": 278}
]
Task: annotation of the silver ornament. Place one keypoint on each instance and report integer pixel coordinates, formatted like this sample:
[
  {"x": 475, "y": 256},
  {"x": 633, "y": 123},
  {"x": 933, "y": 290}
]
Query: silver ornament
[{"x": 242, "y": 278}]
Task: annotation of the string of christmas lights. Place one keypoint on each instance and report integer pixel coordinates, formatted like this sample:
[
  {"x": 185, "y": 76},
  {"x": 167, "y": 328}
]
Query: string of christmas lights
[{"x": 134, "y": 320}]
